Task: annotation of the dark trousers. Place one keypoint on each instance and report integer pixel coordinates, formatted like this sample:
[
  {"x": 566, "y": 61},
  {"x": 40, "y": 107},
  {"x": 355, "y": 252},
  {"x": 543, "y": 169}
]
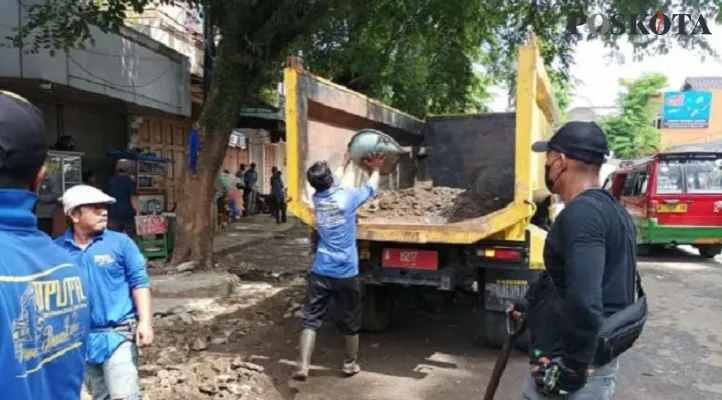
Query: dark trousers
[
  {"x": 278, "y": 209},
  {"x": 46, "y": 225},
  {"x": 246, "y": 204},
  {"x": 125, "y": 225},
  {"x": 345, "y": 292},
  {"x": 250, "y": 197}
]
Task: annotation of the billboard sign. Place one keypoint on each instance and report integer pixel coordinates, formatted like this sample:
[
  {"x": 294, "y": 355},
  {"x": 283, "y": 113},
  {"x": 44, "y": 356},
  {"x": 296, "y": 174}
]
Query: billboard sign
[{"x": 686, "y": 110}]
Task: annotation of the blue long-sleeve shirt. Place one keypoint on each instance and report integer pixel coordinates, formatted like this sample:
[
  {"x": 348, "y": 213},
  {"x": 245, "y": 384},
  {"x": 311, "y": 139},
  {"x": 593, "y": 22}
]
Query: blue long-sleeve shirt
[
  {"x": 115, "y": 267},
  {"x": 335, "y": 209},
  {"x": 44, "y": 311},
  {"x": 277, "y": 188}
]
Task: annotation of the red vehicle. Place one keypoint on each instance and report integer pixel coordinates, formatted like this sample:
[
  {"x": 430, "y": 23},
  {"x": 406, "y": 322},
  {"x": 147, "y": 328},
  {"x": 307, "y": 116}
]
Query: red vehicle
[{"x": 675, "y": 198}]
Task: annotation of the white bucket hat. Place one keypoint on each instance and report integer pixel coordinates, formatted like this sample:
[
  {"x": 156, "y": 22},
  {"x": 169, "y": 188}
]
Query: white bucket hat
[{"x": 82, "y": 195}]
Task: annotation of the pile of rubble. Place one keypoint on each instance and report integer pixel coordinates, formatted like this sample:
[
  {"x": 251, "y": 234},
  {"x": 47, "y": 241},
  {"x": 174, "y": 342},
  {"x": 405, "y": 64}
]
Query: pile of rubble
[{"x": 207, "y": 377}]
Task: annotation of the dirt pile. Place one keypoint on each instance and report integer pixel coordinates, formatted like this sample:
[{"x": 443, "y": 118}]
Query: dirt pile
[{"x": 427, "y": 204}]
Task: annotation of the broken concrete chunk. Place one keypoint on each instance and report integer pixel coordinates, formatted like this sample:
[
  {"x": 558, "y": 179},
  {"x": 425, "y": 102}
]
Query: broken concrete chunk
[
  {"x": 219, "y": 340},
  {"x": 200, "y": 344},
  {"x": 186, "y": 266},
  {"x": 237, "y": 363}
]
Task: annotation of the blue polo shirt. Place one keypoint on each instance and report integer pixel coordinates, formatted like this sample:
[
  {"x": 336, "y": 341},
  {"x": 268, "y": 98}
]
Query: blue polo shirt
[
  {"x": 115, "y": 267},
  {"x": 44, "y": 314},
  {"x": 335, "y": 209}
]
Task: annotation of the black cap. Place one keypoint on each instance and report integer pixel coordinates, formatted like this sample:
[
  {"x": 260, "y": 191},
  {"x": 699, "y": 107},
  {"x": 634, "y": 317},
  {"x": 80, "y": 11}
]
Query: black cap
[
  {"x": 23, "y": 141},
  {"x": 578, "y": 140}
]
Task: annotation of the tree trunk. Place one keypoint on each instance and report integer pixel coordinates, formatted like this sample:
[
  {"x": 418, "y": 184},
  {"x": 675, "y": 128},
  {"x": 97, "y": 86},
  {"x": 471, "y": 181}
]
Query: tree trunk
[
  {"x": 254, "y": 37},
  {"x": 194, "y": 232}
]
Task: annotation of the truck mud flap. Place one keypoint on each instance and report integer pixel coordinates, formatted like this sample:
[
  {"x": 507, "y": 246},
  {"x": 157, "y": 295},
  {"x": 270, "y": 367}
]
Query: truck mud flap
[{"x": 504, "y": 286}]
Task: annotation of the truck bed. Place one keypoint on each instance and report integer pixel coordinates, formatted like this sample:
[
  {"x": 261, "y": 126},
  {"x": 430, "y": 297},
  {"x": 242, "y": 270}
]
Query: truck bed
[
  {"x": 466, "y": 176},
  {"x": 471, "y": 162}
]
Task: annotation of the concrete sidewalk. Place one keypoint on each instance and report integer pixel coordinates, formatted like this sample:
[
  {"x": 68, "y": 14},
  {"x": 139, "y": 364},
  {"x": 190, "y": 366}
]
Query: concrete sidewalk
[
  {"x": 186, "y": 286},
  {"x": 247, "y": 231}
]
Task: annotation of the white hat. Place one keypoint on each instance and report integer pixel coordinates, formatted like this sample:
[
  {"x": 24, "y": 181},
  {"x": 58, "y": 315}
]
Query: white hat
[{"x": 81, "y": 195}]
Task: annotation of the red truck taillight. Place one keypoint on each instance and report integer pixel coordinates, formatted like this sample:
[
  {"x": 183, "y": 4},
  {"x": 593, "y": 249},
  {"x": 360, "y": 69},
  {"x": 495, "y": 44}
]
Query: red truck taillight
[{"x": 501, "y": 254}]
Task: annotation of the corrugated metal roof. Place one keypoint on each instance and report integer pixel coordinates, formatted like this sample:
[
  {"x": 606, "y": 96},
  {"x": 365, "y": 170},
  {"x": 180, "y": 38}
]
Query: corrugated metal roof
[
  {"x": 712, "y": 146},
  {"x": 702, "y": 83}
]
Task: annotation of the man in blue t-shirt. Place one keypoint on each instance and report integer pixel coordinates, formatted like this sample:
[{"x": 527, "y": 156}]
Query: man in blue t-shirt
[
  {"x": 335, "y": 269},
  {"x": 119, "y": 292},
  {"x": 44, "y": 313},
  {"x": 122, "y": 188}
]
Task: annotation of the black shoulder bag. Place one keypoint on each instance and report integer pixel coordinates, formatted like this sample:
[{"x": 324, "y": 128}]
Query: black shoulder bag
[{"x": 621, "y": 329}]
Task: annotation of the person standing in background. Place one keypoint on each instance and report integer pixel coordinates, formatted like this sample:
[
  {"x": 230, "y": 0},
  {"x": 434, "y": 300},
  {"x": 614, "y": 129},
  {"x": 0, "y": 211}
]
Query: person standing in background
[
  {"x": 122, "y": 188},
  {"x": 119, "y": 292},
  {"x": 241, "y": 172},
  {"x": 279, "y": 196},
  {"x": 47, "y": 205},
  {"x": 251, "y": 190},
  {"x": 34, "y": 366}
]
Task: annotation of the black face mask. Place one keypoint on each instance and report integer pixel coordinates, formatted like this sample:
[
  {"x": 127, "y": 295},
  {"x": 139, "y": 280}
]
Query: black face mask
[{"x": 547, "y": 178}]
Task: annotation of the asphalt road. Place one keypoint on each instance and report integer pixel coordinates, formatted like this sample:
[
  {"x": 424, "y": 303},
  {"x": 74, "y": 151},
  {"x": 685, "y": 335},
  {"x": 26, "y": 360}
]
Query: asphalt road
[{"x": 431, "y": 357}]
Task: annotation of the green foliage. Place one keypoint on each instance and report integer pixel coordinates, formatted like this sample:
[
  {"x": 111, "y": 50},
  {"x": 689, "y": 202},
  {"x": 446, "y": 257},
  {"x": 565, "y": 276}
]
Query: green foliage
[
  {"x": 422, "y": 56},
  {"x": 419, "y": 56},
  {"x": 441, "y": 56},
  {"x": 631, "y": 133}
]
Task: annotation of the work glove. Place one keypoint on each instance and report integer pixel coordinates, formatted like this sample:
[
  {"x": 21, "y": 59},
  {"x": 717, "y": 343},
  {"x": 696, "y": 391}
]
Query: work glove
[
  {"x": 555, "y": 378},
  {"x": 572, "y": 380}
]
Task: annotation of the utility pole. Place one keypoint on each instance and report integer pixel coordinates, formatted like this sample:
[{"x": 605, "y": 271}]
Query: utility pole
[{"x": 209, "y": 45}]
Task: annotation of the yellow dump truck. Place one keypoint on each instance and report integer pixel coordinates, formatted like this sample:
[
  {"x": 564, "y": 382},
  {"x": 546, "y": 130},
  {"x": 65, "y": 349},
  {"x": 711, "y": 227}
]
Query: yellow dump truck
[{"x": 494, "y": 255}]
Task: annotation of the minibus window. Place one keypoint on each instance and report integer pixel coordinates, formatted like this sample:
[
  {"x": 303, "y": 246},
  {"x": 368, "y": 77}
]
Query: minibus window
[
  {"x": 669, "y": 178},
  {"x": 703, "y": 177}
]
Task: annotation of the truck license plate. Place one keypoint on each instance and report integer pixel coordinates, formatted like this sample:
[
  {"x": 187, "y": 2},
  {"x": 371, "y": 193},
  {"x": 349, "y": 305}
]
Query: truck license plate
[
  {"x": 407, "y": 258},
  {"x": 672, "y": 208}
]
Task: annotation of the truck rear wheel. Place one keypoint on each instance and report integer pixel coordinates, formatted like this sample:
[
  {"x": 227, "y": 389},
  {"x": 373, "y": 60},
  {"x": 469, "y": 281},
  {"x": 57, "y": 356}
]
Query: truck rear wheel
[
  {"x": 710, "y": 250},
  {"x": 493, "y": 331},
  {"x": 377, "y": 305}
]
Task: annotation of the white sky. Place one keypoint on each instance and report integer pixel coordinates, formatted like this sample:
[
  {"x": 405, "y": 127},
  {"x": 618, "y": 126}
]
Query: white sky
[{"x": 599, "y": 78}]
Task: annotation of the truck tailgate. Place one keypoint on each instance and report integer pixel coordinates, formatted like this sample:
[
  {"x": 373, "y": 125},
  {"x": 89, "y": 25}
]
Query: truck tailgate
[{"x": 464, "y": 232}]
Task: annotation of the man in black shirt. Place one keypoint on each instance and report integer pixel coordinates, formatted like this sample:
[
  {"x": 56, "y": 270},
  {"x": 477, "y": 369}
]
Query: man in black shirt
[{"x": 590, "y": 257}]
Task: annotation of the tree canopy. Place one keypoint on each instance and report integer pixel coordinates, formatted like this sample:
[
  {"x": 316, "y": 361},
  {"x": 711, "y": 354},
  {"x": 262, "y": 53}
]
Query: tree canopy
[
  {"x": 631, "y": 134},
  {"x": 438, "y": 56}
]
